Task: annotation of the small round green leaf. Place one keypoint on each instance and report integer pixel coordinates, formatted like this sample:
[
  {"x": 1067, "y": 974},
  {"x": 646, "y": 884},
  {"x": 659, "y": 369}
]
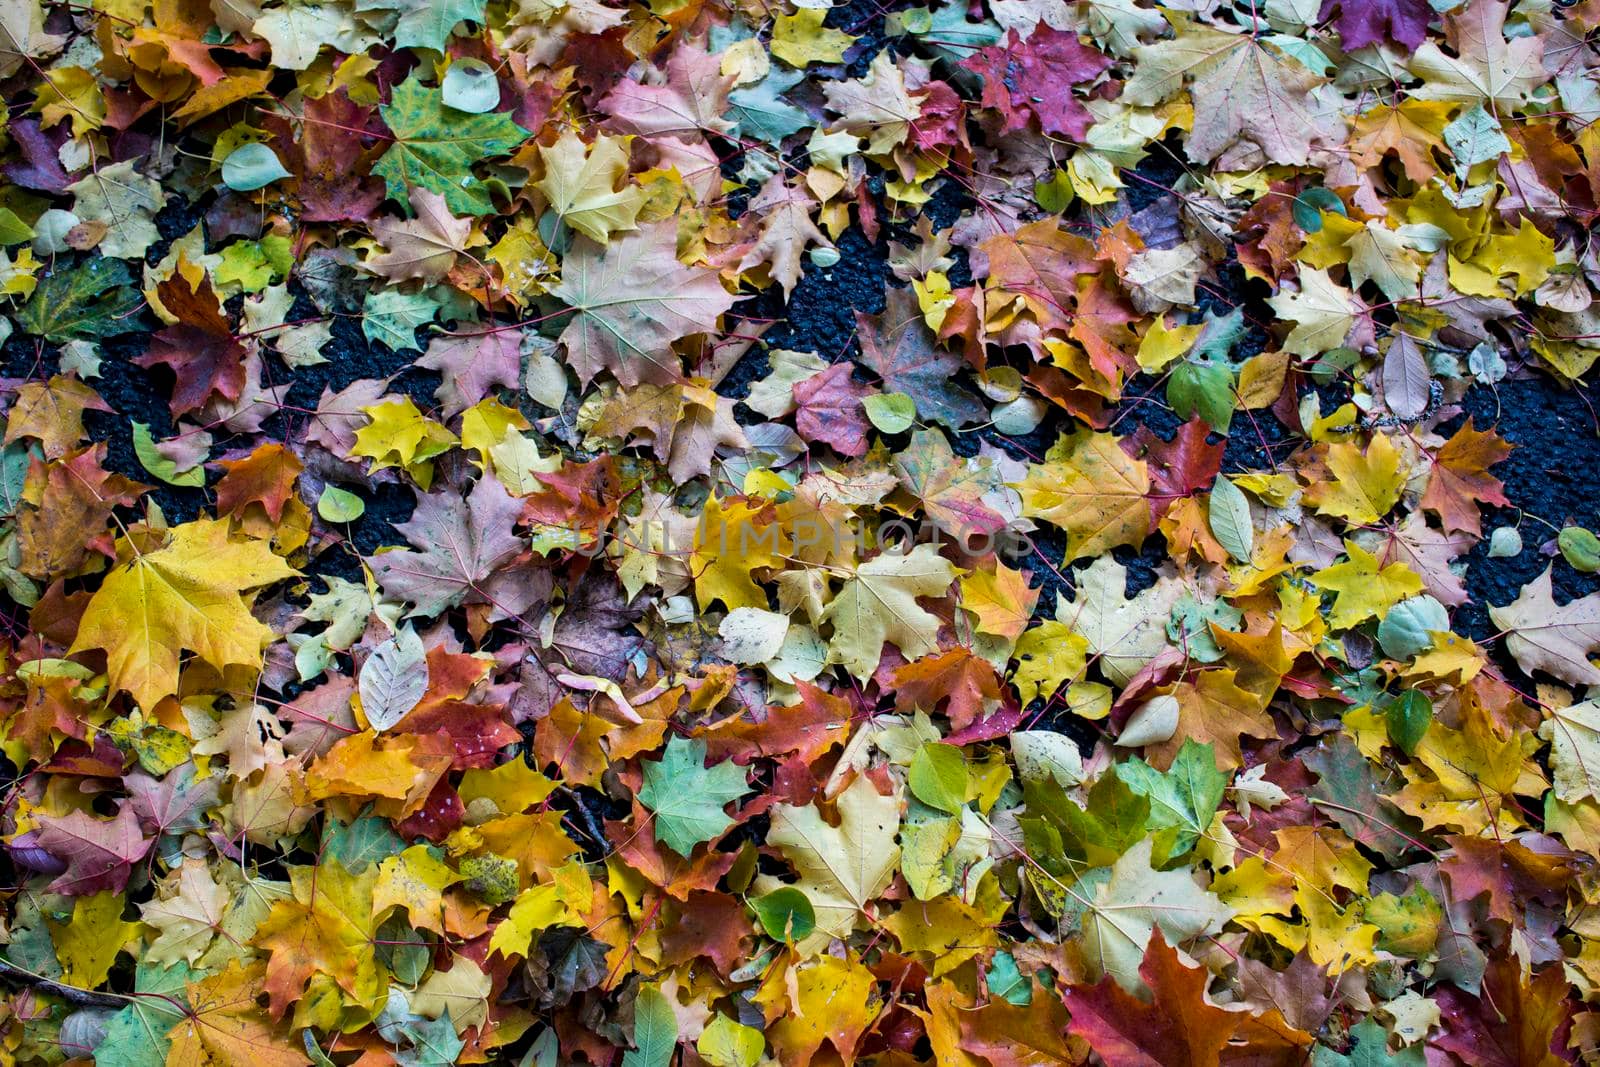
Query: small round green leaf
[
  {"x": 1408, "y": 717},
  {"x": 469, "y": 85},
  {"x": 1230, "y": 519},
  {"x": 786, "y": 914},
  {"x": 1505, "y": 542},
  {"x": 1581, "y": 548},
  {"x": 1309, "y": 206},
  {"x": 891, "y": 412},
  {"x": 250, "y": 167},
  {"x": 939, "y": 777},
  {"x": 340, "y": 505},
  {"x": 1408, "y": 629}
]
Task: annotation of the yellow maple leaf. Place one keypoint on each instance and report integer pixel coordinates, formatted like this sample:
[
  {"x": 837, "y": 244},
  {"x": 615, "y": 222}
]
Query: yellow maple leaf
[
  {"x": 225, "y": 1026},
  {"x": 88, "y": 944},
  {"x": 1362, "y": 486},
  {"x": 327, "y": 927},
  {"x": 947, "y": 930},
  {"x": 186, "y": 594},
  {"x": 526, "y": 265},
  {"x": 879, "y": 603},
  {"x": 1365, "y": 591},
  {"x": 1162, "y": 344},
  {"x": 1093, "y": 490},
  {"x": 833, "y": 1003},
  {"x": 1524, "y": 258},
  {"x": 1477, "y": 772},
  {"x": 398, "y": 435},
  {"x": 580, "y": 182},
  {"x": 556, "y": 903},
  {"x": 401, "y": 768},
  {"x": 462, "y": 993},
  {"x": 842, "y": 868},
  {"x": 1322, "y": 312},
  {"x": 1048, "y": 656},
  {"x": 415, "y": 880},
  {"x": 1000, "y": 599},
  {"x": 512, "y": 787},
  {"x": 800, "y": 39},
  {"x": 729, "y": 543}
]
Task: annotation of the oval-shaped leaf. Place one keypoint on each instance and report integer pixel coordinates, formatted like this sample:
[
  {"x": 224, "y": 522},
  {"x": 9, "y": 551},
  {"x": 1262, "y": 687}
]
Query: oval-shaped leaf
[
  {"x": 1153, "y": 722},
  {"x": 393, "y": 679},
  {"x": 340, "y": 505},
  {"x": 1045, "y": 755},
  {"x": 1405, "y": 377},
  {"x": 1580, "y": 547},
  {"x": 470, "y": 85},
  {"x": 1309, "y": 206},
  {"x": 144, "y": 447},
  {"x": 1408, "y": 628},
  {"x": 1408, "y": 718},
  {"x": 655, "y": 1030},
  {"x": 1505, "y": 542},
  {"x": 250, "y": 167},
  {"x": 786, "y": 914},
  {"x": 1230, "y": 519},
  {"x": 939, "y": 777},
  {"x": 891, "y": 412}
]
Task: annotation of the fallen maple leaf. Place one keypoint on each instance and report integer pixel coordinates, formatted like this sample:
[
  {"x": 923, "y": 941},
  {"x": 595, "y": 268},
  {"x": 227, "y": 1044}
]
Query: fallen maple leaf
[
  {"x": 879, "y": 603},
  {"x": 1544, "y": 636},
  {"x": 1178, "y": 1027},
  {"x": 842, "y": 869},
  {"x": 632, "y": 299},
  {"x": 164, "y": 598},
  {"x": 459, "y": 543}
]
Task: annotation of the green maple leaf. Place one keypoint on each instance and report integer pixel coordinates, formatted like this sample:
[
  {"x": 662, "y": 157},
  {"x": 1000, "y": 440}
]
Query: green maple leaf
[
  {"x": 435, "y": 147},
  {"x": 761, "y": 111},
  {"x": 137, "y": 1035},
  {"x": 1184, "y": 798},
  {"x": 392, "y": 317},
  {"x": 92, "y": 301},
  {"x": 428, "y": 24},
  {"x": 688, "y": 797},
  {"x": 1370, "y": 1050}
]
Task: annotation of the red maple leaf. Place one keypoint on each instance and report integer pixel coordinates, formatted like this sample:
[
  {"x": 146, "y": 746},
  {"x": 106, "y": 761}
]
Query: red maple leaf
[
  {"x": 200, "y": 349},
  {"x": 1177, "y": 1028},
  {"x": 1034, "y": 78}
]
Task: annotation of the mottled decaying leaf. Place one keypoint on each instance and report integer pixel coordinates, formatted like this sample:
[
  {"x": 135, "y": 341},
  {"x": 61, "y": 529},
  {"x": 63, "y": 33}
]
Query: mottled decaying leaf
[
  {"x": 1242, "y": 90},
  {"x": 1093, "y": 490},
  {"x": 459, "y": 543},
  {"x": 632, "y": 299},
  {"x": 435, "y": 146},
  {"x": 90, "y": 301},
  {"x": 899, "y": 348}
]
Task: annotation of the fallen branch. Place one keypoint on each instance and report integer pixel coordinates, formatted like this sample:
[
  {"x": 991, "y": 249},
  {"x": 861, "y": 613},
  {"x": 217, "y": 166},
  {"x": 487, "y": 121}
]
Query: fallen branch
[{"x": 84, "y": 998}]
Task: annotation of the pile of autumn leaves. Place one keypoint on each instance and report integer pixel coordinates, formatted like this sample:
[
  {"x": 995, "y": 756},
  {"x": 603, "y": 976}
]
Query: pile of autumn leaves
[{"x": 692, "y": 721}]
